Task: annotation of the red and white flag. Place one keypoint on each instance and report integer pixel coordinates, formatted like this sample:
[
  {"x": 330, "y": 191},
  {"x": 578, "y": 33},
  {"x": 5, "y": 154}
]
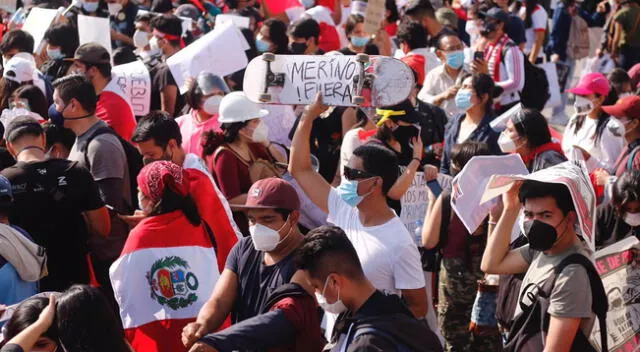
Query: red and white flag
[{"x": 165, "y": 274}]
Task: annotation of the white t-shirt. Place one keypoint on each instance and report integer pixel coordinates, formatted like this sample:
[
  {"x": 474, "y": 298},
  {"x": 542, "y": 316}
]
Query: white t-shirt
[
  {"x": 539, "y": 20},
  {"x": 604, "y": 153},
  {"x": 388, "y": 255}
]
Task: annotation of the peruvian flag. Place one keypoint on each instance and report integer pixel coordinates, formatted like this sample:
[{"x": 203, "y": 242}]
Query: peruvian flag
[{"x": 165, "y": 274}]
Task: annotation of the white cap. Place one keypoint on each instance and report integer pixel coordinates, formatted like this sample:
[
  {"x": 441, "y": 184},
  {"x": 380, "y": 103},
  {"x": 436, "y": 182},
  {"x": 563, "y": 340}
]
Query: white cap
[
  {"x": 18, "y": 70},
  {"x": 236, "y": 107}
]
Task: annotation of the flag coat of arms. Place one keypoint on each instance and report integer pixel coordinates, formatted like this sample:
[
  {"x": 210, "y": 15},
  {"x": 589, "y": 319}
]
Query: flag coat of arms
[{"x": 165, "y": 274}]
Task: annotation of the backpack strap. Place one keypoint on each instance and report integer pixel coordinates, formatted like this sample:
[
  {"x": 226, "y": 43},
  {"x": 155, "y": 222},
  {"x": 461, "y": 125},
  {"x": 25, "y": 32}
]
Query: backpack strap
[
  {"x": 99, "y": 131},
  {"x": 632, "y": 157}
]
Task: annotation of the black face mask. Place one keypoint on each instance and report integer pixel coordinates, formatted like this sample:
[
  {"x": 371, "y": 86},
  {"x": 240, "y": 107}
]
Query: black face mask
[
  {"x": 541, "y": 235},
  {"x": 487, "y": 29},
  {"x": 404, "y": 134},
  {"x": 298, "y": 48}
]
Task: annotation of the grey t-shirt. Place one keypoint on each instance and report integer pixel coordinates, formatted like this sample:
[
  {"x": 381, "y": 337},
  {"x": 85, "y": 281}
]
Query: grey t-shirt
[{"x": 570, "y": 296}]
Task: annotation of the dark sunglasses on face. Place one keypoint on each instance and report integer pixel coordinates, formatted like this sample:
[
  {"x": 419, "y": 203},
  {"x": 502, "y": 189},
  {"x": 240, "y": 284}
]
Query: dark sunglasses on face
[{"x": 354, "y": 174}]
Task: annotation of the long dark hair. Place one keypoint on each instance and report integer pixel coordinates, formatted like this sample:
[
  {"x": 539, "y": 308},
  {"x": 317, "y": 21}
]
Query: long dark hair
[
  {"x": 87, "y": 322},
  {"x": 7, "y": 87},
  {"x": 26, "y": 314},
  {"x": 530, "y": 5},
  {"x": 603, "y": 117},
  {"x": 531, "y": 124},
  {"x": 211, "y": 139},
  {"x": 278, "y": 35},
  {"x": 171, "y": 201},
  {"x": 35, "y": 97},
  {"x": 483, "y": 84}
]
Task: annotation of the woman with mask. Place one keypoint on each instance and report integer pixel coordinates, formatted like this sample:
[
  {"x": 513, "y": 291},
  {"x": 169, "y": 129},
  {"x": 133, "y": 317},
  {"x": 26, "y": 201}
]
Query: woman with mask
[
  {"x": 591, "y": 133},
  {"x": 94, "y": 8},
  {"x": 460, "y": 266},
  {"x": 243, "y": 142},
  {"x": 272, "y": 37},
  {"x": 620, "y": 218},
  {"x": 475, "y": 98},
  {"x": 528, "y": 134},
  {"x": 31, "y": 98},
  {"x": 204, "y": 98},
  {"x": 62, "y": 42},
  {"x": 359, "y": 40},
  {"x": 17, "y": 72}
]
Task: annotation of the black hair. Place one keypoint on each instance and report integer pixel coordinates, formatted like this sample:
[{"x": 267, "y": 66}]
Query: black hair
[
  {"x": 443, "y": 37},
  {"x": 144, "y": 17},
  {"x": 326, "y": 250},
  {"x": 87, "y": 322},
  {"x": 352, "y": 22},
  {"x": 394, "y": 15},
  {"x": 530, "y": 6},
  {"x": 35, "y": 97},
  {"x": 277, "y": 35},
  {"x": 305, "y": 28},
  {"x": 65, "y": 36},
  {"x": 159, "y": 126},
  {"x": 7, "y": 87},
  {"x": 618, "y": 78},
  {"x": 559, "y": 192},
  {"x": 78, "y": 87},
  {"x": 283, "y": 212},
  {"x": 168, "y": 24},
  {"x": 23, "y": 126},
  {"x": 380, "y": 161},
  {"x": 123, "y": 55},
  {"x": 250, "y": 37},
  {"x": 420, "y": 9},
  {"x": 531, "y": 124},
  {"x": 626, "y": 188},
  {"x": 172, "y": 201},
  {"x": 568, "y": 3},
  {"x": 413, "y": 34},
  {"x": 211, "y": 139},
  {"x": 193, "y": 97},
  {"x": 603, "y": 117},
  {"x": 58, "y": 134},
  {"x": 463, "y": 152},
  {"x": 25, "y": 315},
  {"x": 104, "y": 69},
  {"x": 17, "y": 39},
  {"x": 483, "y": 84}
]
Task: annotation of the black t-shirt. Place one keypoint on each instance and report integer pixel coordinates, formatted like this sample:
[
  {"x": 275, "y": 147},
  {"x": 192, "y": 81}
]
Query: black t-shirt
[
  {"x": 256, "y": 281},
  {"x": 160, "y": 78},
  {"x": 369, "y": 49},
  {"x": 6, "y": 159},
  {"x": 49, "y": 199}
]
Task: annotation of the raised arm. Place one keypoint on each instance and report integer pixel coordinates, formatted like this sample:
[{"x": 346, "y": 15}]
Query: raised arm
[{"x": 313, "y": 184}]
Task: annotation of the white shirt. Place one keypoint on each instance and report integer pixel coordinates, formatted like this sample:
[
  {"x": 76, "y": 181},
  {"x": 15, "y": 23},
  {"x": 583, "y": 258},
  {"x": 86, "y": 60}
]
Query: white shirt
[
  {"x": 605, "y": 152},
  {"x": 280, "y": 121},
  {"x": 436, "y": 82},
  {"x": 539, "y": 20}
]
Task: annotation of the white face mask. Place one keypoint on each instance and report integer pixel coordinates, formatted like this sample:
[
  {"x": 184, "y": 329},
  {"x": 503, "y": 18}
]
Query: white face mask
[
  {"x": 145, "y": 204},
  {"x": 334, "y": 308},
  {"x": 260, "y": 133},
  {"x": 265, "y": 238},
  {"x": 507, "y": 145},
  {"x": 140, "y": 39},
  {"x": 632, "y": 219},
  {"x": 582, "y": 105},
  {"x": 212, "y": 104},
  {"x": 627, "y": 94},
  {"x": 114, "y": 8},
  {"x": 153, "y": 43}
]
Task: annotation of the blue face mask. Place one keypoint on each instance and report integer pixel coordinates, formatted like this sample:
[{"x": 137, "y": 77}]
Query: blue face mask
[
  {"x": 455, "y": 59},
  {"x": 359, "y": 42},
  {"x": 348, "y": 191},
  {"x": 262, "y": 45},
  {"x": 308, "y": 3},
  {"x": 56, "y": 116},
  {"x": 463, "y": 99},
  {"x": 55, "y": 54},
  {"x": 90, "y": 6}
]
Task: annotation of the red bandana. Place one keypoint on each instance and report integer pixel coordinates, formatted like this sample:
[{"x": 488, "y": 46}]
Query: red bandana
[
  {"x": 158, "y": 176},
  {"x": 169, "y": 37}
]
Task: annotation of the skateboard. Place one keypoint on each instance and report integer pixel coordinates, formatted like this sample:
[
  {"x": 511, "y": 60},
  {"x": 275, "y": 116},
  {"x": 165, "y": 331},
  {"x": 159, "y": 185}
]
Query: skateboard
[{"x": 356, "y": 80}]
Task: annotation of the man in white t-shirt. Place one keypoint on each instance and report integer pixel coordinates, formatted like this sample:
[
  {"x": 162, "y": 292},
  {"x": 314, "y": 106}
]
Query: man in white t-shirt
[{"x": 389, "y": 257}]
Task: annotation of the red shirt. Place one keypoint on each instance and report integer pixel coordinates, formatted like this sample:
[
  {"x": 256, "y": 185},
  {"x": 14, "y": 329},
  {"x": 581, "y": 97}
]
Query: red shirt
[
  {"x": 301, "y": 312},
  {"x": 117, "y": 113}
]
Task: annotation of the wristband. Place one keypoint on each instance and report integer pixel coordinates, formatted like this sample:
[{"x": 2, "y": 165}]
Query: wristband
[{"x": 418, "y": 160}]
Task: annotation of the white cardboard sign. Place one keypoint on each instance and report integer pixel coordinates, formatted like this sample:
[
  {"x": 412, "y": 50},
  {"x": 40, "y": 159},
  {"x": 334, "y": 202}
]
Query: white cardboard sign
[
  {"x": 135, "y": 81},
  {"x": 415, "y": 202},
  {"x": 37, "y": 24},
  {"x": 239, "y": 21},
  {"x": 96, "y": 30},
  {"x": 373, "y": 16}
]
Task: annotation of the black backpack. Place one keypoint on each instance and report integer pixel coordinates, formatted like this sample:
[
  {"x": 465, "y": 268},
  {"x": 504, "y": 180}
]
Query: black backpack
[
  {"x": 535, "y": 93},
  {"x": 134, "y": 160},
  {"x": 529, "y": 329}
]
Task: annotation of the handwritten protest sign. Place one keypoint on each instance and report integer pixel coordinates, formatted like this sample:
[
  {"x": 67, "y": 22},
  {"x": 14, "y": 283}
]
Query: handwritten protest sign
[
  {"x": 415, "y": 202},
  {"x": 135, "y": 81},
  {"x": 469, "y": 184},
  {"x": 37, "y": 24},
  {"x": 96, "y": 30},
  {"x": 238, "y": 21},
  {"x": 619, "y": 269},
  {"x": 373, "y": 16},
  {"x": 570, "y": 174},
  {"x": 220, "y": 52}
]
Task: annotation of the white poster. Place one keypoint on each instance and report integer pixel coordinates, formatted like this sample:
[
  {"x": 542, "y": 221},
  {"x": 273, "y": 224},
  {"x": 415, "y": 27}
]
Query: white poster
[
  {"x": 37, "y": 24},
  {"x": 467, "y": 190},
  {"x": 135, "y": 81},
  {"x": 415, "y": 202},
  {"x": 96, "y": 30},
  {"x": 220, "y": 52},
  {"x": 373, "y": 16},
  {"x": 239, "y": 21},
  {"x": 570, "y": 174},
  {"x": 619, "y": 269}
]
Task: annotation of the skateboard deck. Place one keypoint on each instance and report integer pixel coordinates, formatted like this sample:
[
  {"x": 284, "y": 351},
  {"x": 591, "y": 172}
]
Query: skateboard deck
[{"x": 359, "y": 80}]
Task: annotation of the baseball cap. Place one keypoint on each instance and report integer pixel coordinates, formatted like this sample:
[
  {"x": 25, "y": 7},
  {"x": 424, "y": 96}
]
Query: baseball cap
[
  {"x": 208, "y": 82},
  {"x": 272, "y": 193},
  {"x": 188, "y": 11},
  {"x": 5, "y": 190},
  {"x": 628, "y": 107},
  {"x": 19, "y": 70},
  {"x": 592, "y": 83},
  {"x": 447, "y": 17},
  {"x": 497, "y": 14},
  {"x": 92, "y": 53},
  {"x": 21, "y": 123},
  {"x": 399, "y": 112}
]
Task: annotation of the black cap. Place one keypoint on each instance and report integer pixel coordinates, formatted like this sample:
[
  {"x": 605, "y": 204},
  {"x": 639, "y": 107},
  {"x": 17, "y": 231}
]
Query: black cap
[
  {"x": 22, "y": 123},
  {"x": 405, "y": 112},
  {"x": 497, "y": 14}
]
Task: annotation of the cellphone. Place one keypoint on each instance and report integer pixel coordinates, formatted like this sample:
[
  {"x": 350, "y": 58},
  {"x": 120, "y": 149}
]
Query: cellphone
[
  {"x": 478, "y": 55},
  {"x": 435, "y": 187},
  {"x": 111, "y": 208}
]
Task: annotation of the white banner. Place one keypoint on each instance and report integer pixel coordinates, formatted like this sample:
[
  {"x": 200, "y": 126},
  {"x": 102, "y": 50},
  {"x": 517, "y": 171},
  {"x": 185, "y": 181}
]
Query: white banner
[
  {"x": 415, "y": 203},
  {"x": 574, "y": 176},
  {"x": 135, "y": 81},
  {"x": 467, "y": 191},
  {"x": 96, "y": 30},
  {"x": 37, "y": 24},
  {"x": 620, "y": 273},
  {"x": 239, "y": 21},
  {"x": 373, "y": 16},
  {"x": 220, "y": 52}
]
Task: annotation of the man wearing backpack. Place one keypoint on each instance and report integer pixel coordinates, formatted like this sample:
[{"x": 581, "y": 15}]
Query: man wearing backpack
[
  {"x": 368, "y": 320},
  {"x": 103, "y": 155},
  {"x": 550, "y": 287}
]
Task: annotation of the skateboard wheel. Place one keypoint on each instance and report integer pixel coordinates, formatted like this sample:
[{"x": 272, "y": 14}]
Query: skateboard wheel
[
  {"x": 358, "y": 100},
  {"x": 264, "y": 97},
  {"x": 269, "y": 57},
  {"x": 364, "y": 58}
]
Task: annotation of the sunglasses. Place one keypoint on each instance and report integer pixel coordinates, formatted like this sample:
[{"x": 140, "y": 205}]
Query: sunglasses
[{"x": 353, "y": 174}]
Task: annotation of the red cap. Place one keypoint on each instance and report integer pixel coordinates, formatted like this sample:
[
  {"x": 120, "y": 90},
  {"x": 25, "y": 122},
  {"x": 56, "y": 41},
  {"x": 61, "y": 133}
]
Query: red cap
[
  {"x": 592, "y": 83},
  {"x": 625, "y": 107},
  {"x": 272, "y": 193},
  {"x": 416, "y": 62}
]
